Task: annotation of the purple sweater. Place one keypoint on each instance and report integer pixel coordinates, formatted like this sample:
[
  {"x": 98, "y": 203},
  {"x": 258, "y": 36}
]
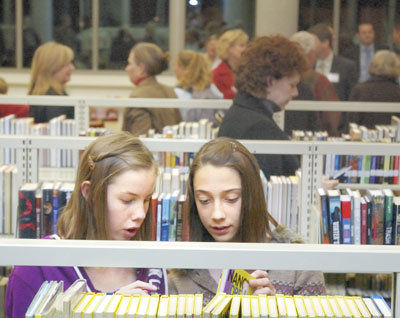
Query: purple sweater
[{"x": 25, "y": 281}]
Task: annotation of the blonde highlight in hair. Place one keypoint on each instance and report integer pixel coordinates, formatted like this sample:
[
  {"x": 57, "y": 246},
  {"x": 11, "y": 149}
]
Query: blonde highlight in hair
[
  {"x": 48, "y": 59},
  {"x": 196, "y": 73},
  {"x": 104, "y": 160},
  {"x": 151, "y": 56},
  {"x": 228, "y": 39}
]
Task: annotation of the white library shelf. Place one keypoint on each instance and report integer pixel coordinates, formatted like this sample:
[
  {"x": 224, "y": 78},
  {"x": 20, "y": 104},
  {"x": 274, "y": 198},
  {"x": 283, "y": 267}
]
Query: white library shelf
[{"x": 326, "y": 258}]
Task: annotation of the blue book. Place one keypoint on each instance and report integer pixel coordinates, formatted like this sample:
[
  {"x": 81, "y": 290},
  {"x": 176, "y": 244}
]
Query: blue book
[
  {"x": 165, "y": 217},
  {"x": 37, "y": 300},
  {"x": 173, "y": 209},
  {"x": 382, "y": 306},
  {"x": 159, "y": 214},
  {"x": 335, "y": 217}
]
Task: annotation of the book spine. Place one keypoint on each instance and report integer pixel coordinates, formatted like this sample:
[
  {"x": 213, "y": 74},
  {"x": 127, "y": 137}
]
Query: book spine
[
  {"x": 38, "y": 200},
  {"x": 26, "y": 214},
  {"x": 388, "y": 220},
  {"x": 346, "y": 220},
  {"x": 154, "y": 218},
  {"x": 325, "y": 219},
  {"x": 335, "y": 220},
  {"x": 47, "y": 212},
  {"x": 172, "y": 219},
  {"x": 56, "y": 211},
  {"x": 364, "y": 212},
  {"x": 165, "y": 220},
  {"x": 179, "y": 221}
]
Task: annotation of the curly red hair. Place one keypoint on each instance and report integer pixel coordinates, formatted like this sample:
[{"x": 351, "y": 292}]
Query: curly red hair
[{"x": 267, "y": 58}]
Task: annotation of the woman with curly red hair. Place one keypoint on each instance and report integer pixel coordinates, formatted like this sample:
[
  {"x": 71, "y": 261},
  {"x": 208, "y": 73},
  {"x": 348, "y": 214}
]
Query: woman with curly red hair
[{"x": 266, "y": 79}]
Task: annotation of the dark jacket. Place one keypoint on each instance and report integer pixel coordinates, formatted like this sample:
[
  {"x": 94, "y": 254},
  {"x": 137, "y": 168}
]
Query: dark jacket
[
  {"x": 348, "y": 76},
  {"x": 251, "y": 118},
  {"x": 376, "y": 89},
  {"x": 42, "y": 114}
]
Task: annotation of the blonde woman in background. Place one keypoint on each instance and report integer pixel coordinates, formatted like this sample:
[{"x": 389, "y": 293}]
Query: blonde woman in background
[
  {"x": 194, "y": 76},
  {"x": 230, "y": 46},
  {"x": 145, "y": 61},
  {"x": 52, "y": 65}
]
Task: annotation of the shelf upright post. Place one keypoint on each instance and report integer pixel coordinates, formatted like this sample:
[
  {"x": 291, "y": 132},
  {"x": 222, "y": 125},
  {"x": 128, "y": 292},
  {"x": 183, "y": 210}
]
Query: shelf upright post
[
  {"x": 81, "y": 116},
  {"x": 395, "y": 305},
  {"x": 32, "y": 162},
  {"x": 306, "y": 193}
]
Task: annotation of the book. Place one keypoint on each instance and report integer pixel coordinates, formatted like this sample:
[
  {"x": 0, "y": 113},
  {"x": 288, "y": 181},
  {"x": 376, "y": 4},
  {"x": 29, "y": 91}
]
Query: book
[
  {"x": 301, "y": 309},
  {"x": 48, "y": 299},
  {"x": 323, "y": 207},
  {"x": 234, "y": 311},
  {"x": 317, "y": 306},
  {"x": 346, "y": 219},
  {"x": 335, "y": 217},
  {"x": 82, "y": 305},
  {"x": 27, "y": 211},
  {"x": 309, "y": 307},
  {"x": 362, "y": 308},
  {"x": 290, "y": 307},
  {"x": 235, "y": 282},
  {"x": 153, "y": 211},
  {"x": 143, "y": 306},
  {"x": 180, "y": 309},
  {"x": 245, "y": 308},
  {"x": 334, "y": 306},
  {"x": 172, "y": 306},
  {"x": 383, "y": 307},
  {"x": 377, "y": 216},
  {"x": 364, "y": 212},
  {"x": 211, "y": 304},
  {"x": 255, "y": 306},
  {"x": 133, "y": 306},
  {"x": 37, "y": 299},
  {"x": 222, "y": 309},
  {"x": 153, "y": 306},
  {"x": 388, "y": 216},
  {"x": 112, "y": 306},
  {"x": 56, "y": 207},
  {"x": 198, "y": 305},
  {"x": 356, "y": 217},
  {"x": 163, "y": 307},
  {"x": 88, "y": 312},
  {"x": 272, "y": 307},
  {"x": 373, "y": 310},
  {"x": 352, "y": 306},
  {"x": 47, "y": 209},
  {"x": 396, "y": 220},
  {"x": 173, "y": 206},
  {"x": 326, "y": 307},
  {"x": 70, "y": 296},
  {"x": 183, "y": 225},
  {"x": 343, "y": 306},
  {"x": 280, "y": 302}
]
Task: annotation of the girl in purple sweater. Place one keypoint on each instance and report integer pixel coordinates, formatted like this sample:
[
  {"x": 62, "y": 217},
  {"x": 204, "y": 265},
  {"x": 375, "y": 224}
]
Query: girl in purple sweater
[{"x": 112, "y": 194}]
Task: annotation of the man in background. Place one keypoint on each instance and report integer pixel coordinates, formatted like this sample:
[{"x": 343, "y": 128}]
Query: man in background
[
  {"x": 363, "y": 53},
  {"x": 341, "y": 71}
]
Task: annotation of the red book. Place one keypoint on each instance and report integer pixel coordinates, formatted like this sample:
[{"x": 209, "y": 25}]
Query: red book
[
  {"x": 154, "y": 199},
  {"x": 364, "y": 215},
  {"x": 345, "y": 202},
  {"x": 396, "y": 169}
]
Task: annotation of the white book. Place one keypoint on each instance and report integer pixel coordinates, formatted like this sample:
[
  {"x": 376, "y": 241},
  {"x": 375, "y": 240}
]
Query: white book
[
  {"x": 275, "y": 198},
  {"x": 112, "y": 307},
  {"x": 143, "y": 306},
  {"x": 2, "y": 195},
  {"x": 294, "y": 212},
  {"x": 309, "y": 307},
  {"x": 211, "y": 305},
  {"x": 290, "y": 307},
  {"x": 189, "y": 308},
  {"x": 222, "y": 307},
  {"x": 123, "y": 306},
  {"x": 352, "y": 307},
  {"x": 245, "y": 307},
  {"x": 133, "y": 306},
  {"x": 153, "y": 306},
  {"x": 382, "y": 306},
  {"x": 269, "y": 197},
  {"x": 288, "y": 201},
  {"x": 280, "y": 302},
  {"x": 88, "y": 312},
  {"x": 70, "y": 297},
  {"x": 272, "y": 307},
  {"x": 173, "y": 304},
  {"x": 326, "y": 307},
  {"x": 317, "y": 307},
  {"x": 284, "y": 219},
  {"x": 357, "y": 216},
  {"x": 180, "y": 310},
  {"x": 255, "y": 307},
  {"x": 263, "y": 302},
  {"x": 334, "y": 306},
  {"x": 372, "y": 308},
  {"x": 343, "y": 307},
  {"x": 198, "y": 305},
  {"x": 81, "y": 306},
  {"x": 362, "y": 307},
  {"x": 301, "y": 309},
  {"x": 163, "y": 307}
]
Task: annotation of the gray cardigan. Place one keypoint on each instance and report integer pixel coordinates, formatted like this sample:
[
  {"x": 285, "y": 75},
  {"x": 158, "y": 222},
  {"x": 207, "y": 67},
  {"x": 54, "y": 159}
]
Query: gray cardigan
[{"x": 192, "y": 281}]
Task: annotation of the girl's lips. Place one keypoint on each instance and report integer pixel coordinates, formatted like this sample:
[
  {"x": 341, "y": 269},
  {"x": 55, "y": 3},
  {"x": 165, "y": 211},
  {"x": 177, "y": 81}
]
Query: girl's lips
[
  {"x": 129, "y": 233},
  {"x": 221, "y": 230}
]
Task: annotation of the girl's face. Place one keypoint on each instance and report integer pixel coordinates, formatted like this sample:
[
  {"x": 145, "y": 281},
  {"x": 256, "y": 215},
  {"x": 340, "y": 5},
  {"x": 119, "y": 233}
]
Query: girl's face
[
  {"x": 218, "y": 197},
  {"x": 236, "y": 49},
  {"x": 128, "y": 199},
  {"x": 64, "y": 74}
]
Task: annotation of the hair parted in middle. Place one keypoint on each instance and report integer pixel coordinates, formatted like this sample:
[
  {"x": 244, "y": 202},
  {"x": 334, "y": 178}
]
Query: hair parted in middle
[
  {"x": 102, "y": 161},
  {"x": 196, "y": 73},
  {"x": 265, "y": 59},
  {"x": 151, "y": 56},
  {"x": 47, "y": 60},
  {"x": 228, "y": 152}
]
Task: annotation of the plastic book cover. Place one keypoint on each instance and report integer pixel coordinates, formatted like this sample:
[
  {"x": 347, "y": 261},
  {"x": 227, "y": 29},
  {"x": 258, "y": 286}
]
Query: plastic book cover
[{"x": 235, "y": 282}]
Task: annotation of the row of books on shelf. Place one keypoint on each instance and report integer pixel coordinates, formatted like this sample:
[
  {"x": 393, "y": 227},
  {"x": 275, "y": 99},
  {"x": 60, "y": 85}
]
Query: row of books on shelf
[
  {"x": 52, "y": 301},
  {"x": 39, "y": 207},
  {"x": 352, "y": 218}
]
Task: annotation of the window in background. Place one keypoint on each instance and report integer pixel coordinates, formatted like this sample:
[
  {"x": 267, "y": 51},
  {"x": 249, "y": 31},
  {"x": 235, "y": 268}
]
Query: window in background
[
  {"x": 123, "y": 23},
  {"x": 7, "y": 33},
  {"x": 67, "y": 22},
  {"x": 312, "y": 12},
  {"x": 207, "y": 17}
]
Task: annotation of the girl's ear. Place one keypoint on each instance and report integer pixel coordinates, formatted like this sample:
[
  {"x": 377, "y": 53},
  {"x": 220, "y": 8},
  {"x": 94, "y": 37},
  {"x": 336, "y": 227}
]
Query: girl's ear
[
  {"x": 85, "y": 187},
  {"x": 142, "y": 69}
]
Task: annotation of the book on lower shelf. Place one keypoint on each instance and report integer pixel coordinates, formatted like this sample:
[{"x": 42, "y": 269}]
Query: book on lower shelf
[{"x": 235, "y": 282}]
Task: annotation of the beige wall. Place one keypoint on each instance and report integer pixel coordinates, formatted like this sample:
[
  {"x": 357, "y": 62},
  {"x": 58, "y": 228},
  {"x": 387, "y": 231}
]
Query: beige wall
[{"x": 276, "y": 16}]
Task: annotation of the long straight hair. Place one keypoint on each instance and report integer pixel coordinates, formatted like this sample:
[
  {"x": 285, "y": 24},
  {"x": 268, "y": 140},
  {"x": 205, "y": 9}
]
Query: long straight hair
[
  {"x": 48, "y": 59},
  {"x": 104, "y": 160},
  {"x": 227, "y": 152}
]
